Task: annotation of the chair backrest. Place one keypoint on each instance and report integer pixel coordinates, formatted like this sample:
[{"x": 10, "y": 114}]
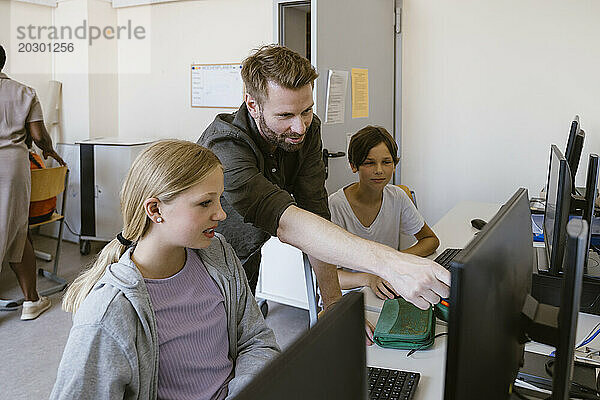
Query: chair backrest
[
  {"x": 47, "y": 182},
  {"x": 411, "y": 195}
]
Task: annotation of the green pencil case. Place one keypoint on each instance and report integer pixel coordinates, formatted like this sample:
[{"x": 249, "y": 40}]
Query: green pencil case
[{"x": 401, "y": 325}]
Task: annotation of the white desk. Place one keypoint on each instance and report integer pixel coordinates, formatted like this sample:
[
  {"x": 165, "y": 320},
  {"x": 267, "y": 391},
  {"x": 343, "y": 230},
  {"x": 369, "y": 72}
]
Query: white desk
[{"x": 453, "y": 230}]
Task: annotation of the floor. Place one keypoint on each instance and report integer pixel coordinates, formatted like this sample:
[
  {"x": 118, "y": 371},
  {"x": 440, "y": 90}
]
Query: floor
[{"x": 31, "y": 350}]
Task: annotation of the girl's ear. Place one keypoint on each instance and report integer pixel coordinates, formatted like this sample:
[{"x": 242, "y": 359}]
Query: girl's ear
[
  {"x": 353, "y": 168},
  {"x": 151, "y": 207}
]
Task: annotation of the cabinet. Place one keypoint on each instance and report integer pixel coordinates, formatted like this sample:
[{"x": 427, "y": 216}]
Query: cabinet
[
  {"x": 281, "y": 276},
  {"x": 103, "y": 166}
]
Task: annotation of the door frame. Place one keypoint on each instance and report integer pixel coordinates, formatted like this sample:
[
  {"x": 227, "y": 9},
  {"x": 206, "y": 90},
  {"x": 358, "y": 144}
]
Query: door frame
[
  {"x": 397, "y": 107},
  {"x": 280, "y": 5},
  {"x": 397, "y": 179}
]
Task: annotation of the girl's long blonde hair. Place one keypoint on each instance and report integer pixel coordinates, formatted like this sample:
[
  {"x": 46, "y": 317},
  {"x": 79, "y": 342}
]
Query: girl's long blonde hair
[{"x": 163, "y": 170}]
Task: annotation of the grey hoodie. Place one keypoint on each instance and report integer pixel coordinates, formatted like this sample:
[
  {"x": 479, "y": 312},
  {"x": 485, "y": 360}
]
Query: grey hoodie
[{"x": 112, "y": 350}]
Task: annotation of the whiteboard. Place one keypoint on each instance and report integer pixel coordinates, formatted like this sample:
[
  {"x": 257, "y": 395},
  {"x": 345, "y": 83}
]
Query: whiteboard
[
  {"x": 129, "y": 3},
  {"x": 50, "y": 3},
  {"x": 217, "y": 85}
]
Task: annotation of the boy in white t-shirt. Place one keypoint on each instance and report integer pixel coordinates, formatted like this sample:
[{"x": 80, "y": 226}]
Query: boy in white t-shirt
[{"x": 374, "y": 210}]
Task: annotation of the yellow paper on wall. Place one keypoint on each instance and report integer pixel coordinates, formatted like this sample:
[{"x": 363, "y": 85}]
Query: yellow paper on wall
[{"x": 360, "y": 93}]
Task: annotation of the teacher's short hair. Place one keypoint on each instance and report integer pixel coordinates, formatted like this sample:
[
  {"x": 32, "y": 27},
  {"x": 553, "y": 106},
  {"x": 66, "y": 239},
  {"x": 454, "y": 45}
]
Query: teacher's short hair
[{"x": 277, "y": 64}]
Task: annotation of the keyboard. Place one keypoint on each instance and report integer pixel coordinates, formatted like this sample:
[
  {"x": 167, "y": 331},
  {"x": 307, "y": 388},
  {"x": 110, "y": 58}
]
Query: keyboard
[
  {"x": 392, "y": 384},
  {"x": 446, "y": 256}
]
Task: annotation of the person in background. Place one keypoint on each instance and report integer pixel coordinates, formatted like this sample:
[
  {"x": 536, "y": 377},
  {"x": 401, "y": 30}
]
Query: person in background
[
  {"x": 375, "y": 210},
  {"x": 21, "y": 121},
  {"x": 165, "y": 311}
]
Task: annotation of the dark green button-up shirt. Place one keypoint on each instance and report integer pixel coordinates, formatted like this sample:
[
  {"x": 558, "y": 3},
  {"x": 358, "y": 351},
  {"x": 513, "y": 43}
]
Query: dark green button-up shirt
[{"x": 260, "y": 184}]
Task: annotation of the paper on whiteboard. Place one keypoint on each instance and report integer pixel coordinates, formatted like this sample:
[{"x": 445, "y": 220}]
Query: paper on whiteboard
[
  {"x": 335, "y": 107},
  {"x": 218, "y": 86}
]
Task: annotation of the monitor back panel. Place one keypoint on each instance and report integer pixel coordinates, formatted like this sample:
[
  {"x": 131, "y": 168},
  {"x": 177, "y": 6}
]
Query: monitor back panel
[
  {"x": 490, "y": 280},
  {"x": 327, "y": 362}
]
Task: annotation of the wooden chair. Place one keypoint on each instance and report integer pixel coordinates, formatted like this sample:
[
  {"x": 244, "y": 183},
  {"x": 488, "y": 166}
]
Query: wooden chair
[
  {"x": 411, "y": 193},
  {"x": 45, "y": 184}
]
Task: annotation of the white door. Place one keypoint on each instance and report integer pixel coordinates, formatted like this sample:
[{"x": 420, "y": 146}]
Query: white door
[{"x": 353, "y": 34}]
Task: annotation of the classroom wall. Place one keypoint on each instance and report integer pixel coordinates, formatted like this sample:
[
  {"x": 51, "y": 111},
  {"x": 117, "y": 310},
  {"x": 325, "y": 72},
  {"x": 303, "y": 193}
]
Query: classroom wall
[
  {"x": 89, "y": 89},
  {"x": 29, "y": 68},
  {"x": 72, "y": 69},
  {"x": 156, "y": 101},
  {"x": 487, "y": 87},
  {"x": 4, "y": 22},
  {"x": 103, "y": 73},
  {"x": 136, "y": 89}
]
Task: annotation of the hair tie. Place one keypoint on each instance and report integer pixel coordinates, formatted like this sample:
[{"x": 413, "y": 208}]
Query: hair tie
[{"x": 123, "y": 241}]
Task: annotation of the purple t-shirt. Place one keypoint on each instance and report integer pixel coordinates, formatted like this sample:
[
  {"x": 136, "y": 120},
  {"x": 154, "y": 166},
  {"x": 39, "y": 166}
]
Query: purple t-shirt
[{"x": 193, "y": 342}]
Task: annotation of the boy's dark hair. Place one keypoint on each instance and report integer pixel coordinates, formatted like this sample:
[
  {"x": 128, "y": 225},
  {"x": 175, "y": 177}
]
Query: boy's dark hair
[
  {"x": 365, "y": 139},
  {"x": 2, "y": 57},
  {"x": 279, "y": 65}
]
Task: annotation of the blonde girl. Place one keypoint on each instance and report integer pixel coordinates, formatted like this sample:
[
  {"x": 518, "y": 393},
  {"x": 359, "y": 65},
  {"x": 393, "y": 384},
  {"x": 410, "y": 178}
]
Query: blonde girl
[{"x": 165, "y": 311}]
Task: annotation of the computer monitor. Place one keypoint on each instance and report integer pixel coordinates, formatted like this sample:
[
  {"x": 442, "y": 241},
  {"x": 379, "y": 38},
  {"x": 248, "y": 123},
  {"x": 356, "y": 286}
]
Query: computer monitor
[
  {"x": 575, "y": 204},
  {"x": 327, "y": 362},
  {"x": 557, "y": 327},
  {"x": 556, "y": 213},
  {"x": 571, "y": 139},
  {"x": 491, "y": 278},
  {"x": 492, "y": 313},
  {"x": 591, "y": 186},
  {"x": 574, "y": 149},
  {"x": 576, "y": 254}
]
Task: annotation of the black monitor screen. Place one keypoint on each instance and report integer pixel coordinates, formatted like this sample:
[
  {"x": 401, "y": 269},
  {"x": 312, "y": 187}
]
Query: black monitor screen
[
  {"x": 328, "y": 362},
  {"x": 573, "y": 131},
  {"x": 556, "y": 214},
  {"x": 491, "y": 278},
  {"x": 591, "y": 187},
  {"x": 576, "y": 254}
]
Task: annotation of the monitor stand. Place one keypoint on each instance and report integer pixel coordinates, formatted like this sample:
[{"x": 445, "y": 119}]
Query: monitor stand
[
  {"x": 540, "y": 260},
  {"x": 542, "y": 266},
  {"x": 534, "y": 372},
  {"x": 593, "y": 266},
  {"x": 581, "y": 192},
  {"x": 546, "y": 287}
]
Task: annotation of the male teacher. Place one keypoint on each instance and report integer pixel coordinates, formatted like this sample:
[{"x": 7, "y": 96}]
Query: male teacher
[{"x": 275, "y": 184}]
